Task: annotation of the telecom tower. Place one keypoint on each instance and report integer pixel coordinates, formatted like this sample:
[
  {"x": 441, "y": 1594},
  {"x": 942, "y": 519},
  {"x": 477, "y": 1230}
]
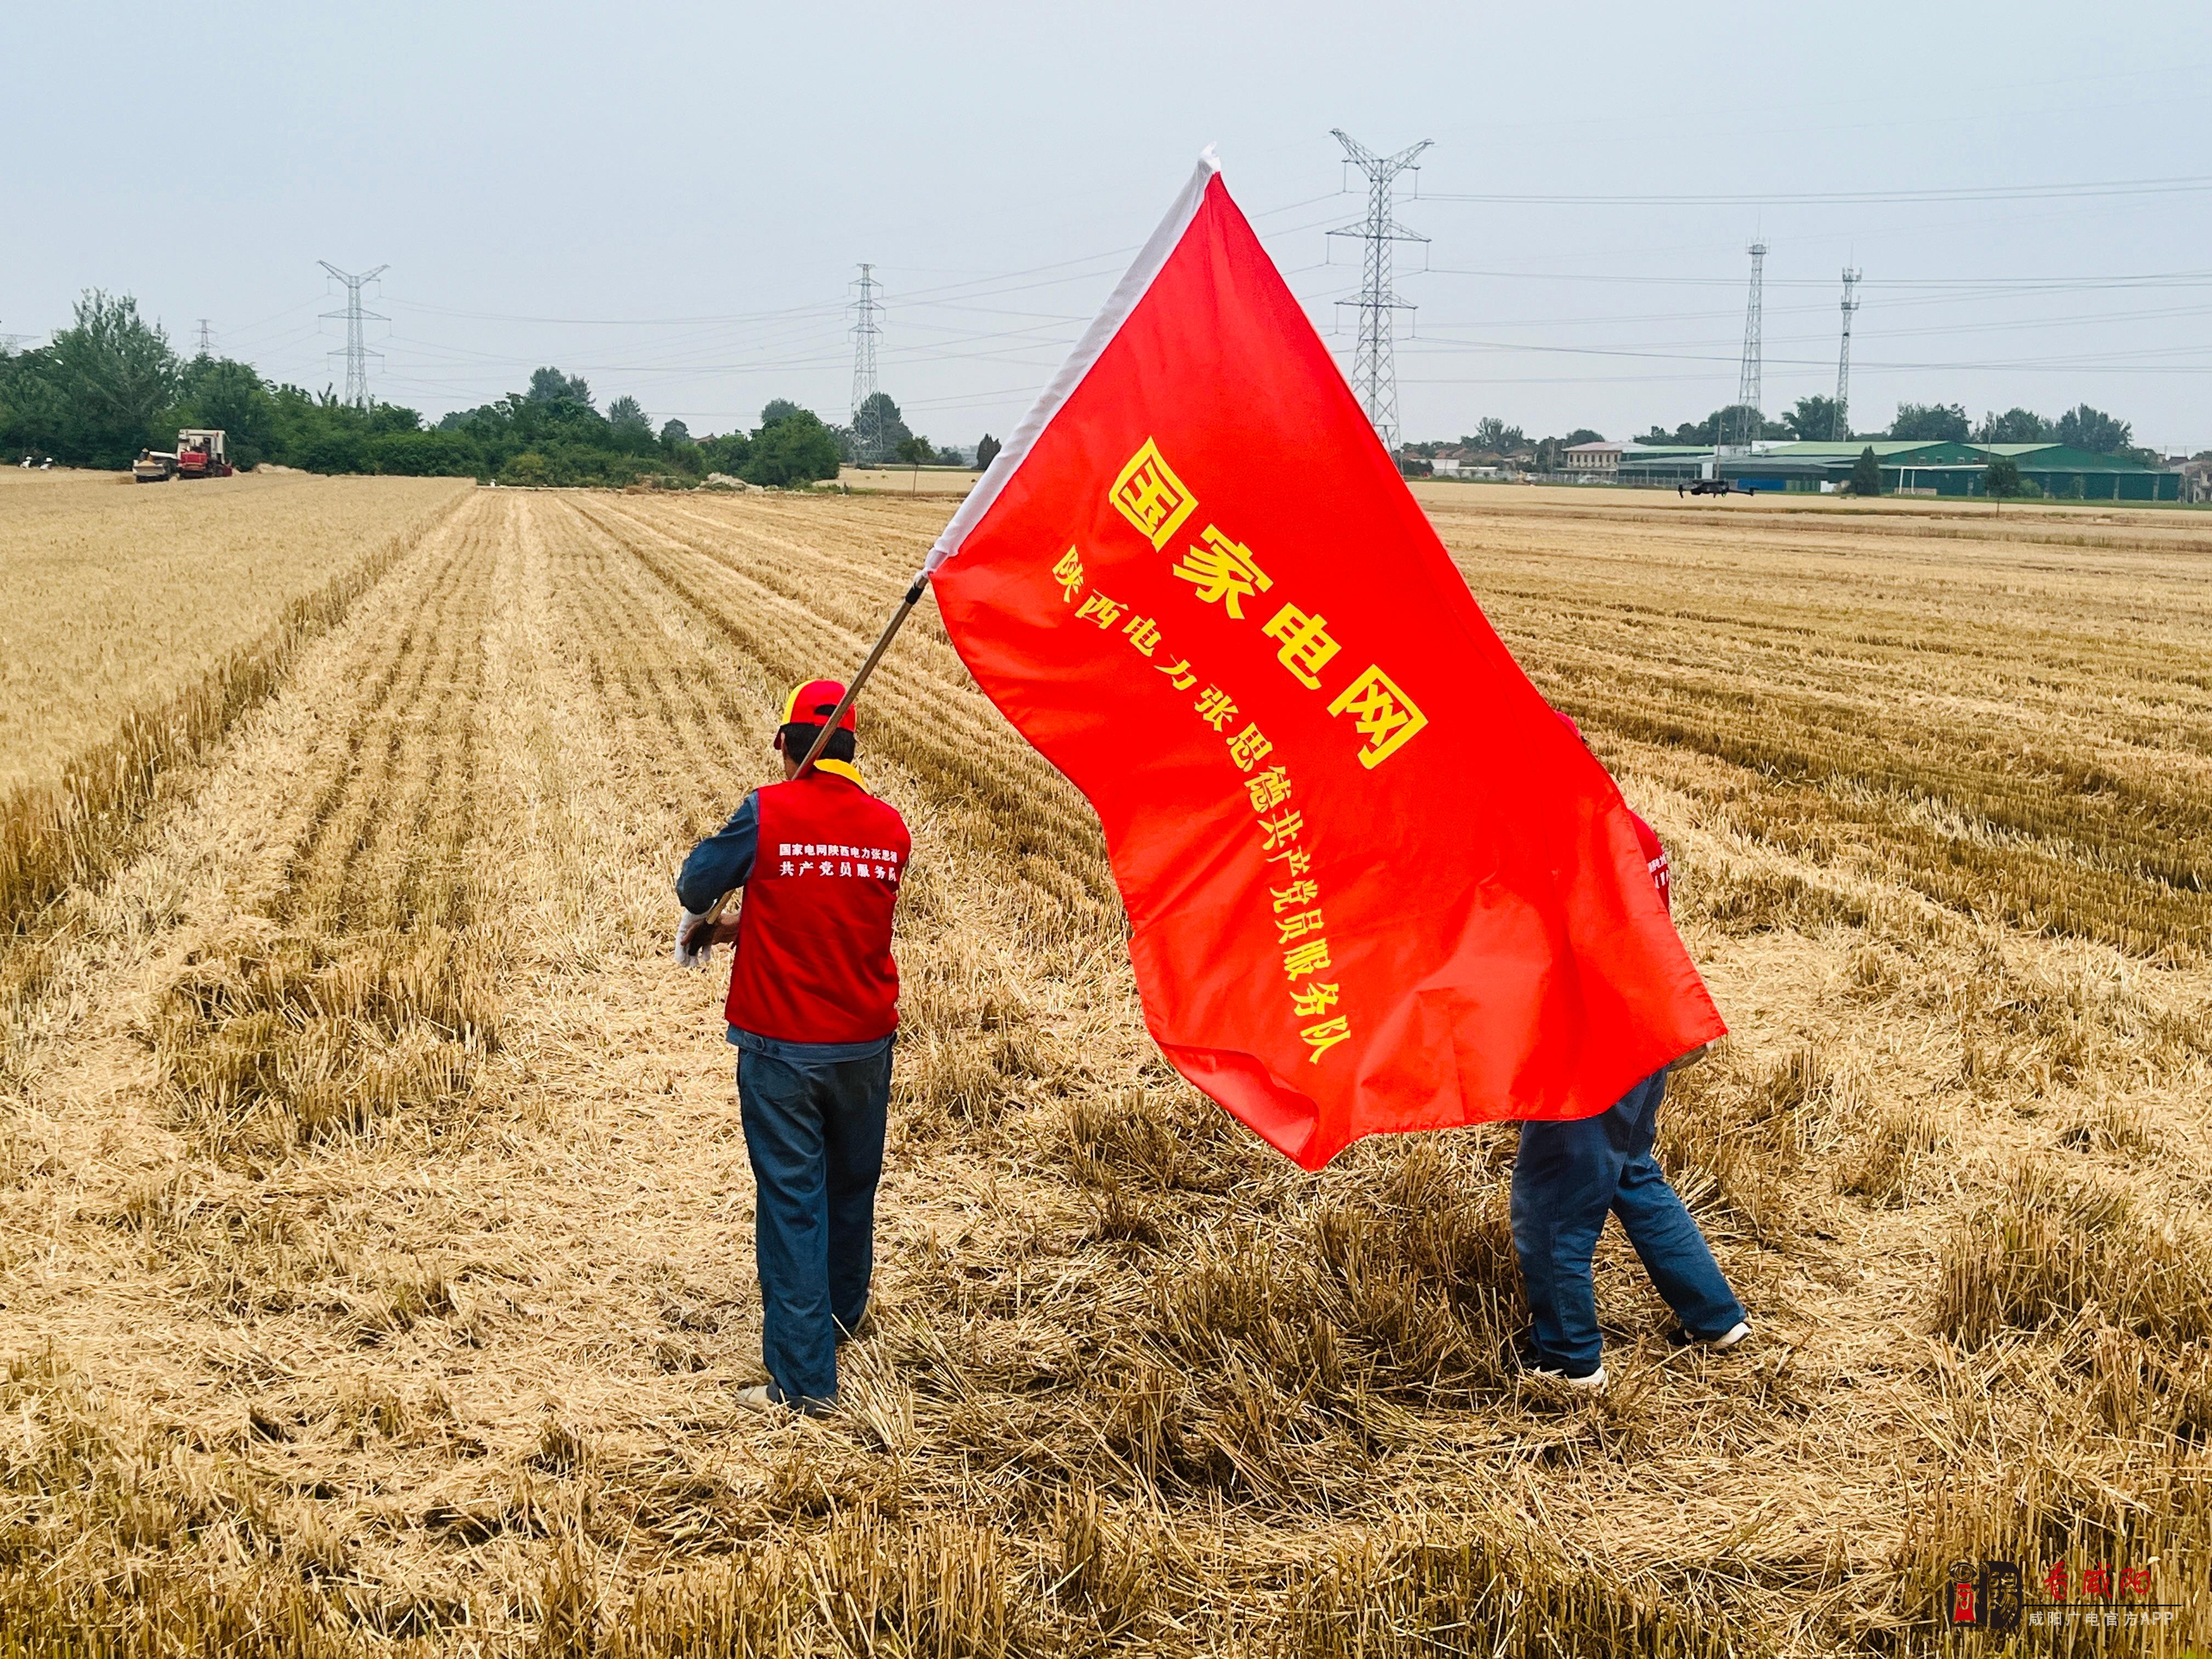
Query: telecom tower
[
  {"x": 1746, "y": 386},
  {"x": 206, "y": 339},
  {"x": 1841, "y": 428},
  {"x": 868, "y": 442},
  {"x": 1374, "y": 377},
  {"x": 356, "y": 352}
]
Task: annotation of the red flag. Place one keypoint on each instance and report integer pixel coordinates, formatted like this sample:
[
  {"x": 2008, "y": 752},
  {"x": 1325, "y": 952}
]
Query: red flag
[{"x": 1373, "y": 884}]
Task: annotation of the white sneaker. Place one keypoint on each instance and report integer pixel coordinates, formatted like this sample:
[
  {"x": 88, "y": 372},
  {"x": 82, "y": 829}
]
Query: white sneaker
[
  {"x": 1593, "y": 1384},
  {"x": 1726, "y": 1338},
  {"x": 763, "y": 1397}
]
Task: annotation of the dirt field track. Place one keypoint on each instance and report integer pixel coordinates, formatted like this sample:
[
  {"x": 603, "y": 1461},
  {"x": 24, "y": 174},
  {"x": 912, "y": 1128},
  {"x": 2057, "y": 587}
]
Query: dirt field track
[{"x": 375, "y": 1231}]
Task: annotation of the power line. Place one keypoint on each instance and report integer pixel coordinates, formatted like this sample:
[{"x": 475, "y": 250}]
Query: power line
[
  {"x": 867, "y": 415},
  {"x": 355, "y": 352},
  {"x": 1747, "y": 378},
  {"x": 1374, "y": 377},
  {"x": 2179, "y": 183},
  {"x": 1840, "y": 424}
]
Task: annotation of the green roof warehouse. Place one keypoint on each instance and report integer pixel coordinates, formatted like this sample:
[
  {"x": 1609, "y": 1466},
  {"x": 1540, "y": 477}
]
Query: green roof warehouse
[{"x": 1907, "y": 467}]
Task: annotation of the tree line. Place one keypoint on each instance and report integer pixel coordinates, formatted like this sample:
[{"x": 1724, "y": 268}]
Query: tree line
[
  {"x": 1814, "y": 419},
  {"x": 111, "y": 386}
]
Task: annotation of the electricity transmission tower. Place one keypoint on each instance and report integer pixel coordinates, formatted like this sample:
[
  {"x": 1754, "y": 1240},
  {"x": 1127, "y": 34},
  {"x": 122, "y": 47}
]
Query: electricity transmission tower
[
  {"x": 867, "y": 418},
  {"x": 1842, "y": 428},
  {"x": 206, "y": 339},
  {"x": 355, "y": 352},
  {"x": 1746, "y": 386},
  {"x": 1374, "y": 376}
]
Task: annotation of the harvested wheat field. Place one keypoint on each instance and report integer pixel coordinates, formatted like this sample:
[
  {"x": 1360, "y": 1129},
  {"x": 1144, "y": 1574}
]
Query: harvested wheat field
[
  {"x": 378, "y": 1250},
  {"x": 136, "y": 621}
]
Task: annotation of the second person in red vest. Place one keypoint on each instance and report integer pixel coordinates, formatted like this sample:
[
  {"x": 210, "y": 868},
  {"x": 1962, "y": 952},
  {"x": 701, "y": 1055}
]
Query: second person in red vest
[{"x": 813, "y": 1009}]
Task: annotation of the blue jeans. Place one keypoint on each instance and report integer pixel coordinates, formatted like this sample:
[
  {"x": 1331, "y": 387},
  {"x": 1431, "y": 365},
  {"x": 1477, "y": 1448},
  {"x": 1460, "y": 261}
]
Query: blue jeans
[
  {"x": 814, "y": 1116},
  {"x": 1566, "y": 1177}
]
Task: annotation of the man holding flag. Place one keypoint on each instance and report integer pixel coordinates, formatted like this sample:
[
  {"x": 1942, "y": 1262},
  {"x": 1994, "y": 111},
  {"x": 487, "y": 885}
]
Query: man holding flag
[
  {"x": 1373, "y": 885},
  {"x": 813, "y": 1009}
]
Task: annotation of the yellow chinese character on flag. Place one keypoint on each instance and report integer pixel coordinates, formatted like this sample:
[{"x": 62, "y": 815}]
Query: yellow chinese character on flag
[
  {"x": 1223, "y": 570},
  {"x": 1301, "y": 960},
  {"x": 1298, "y": 892},
  {"x": 1308, "y": 1000},
  {"x": 1297, "y": 925},
  {"x": 1248, "y": 749},
  {"x": 1306, "y": 647},
  {"x": 1179, "y": 674},
  {"x": 1297, "y": 859},
  {"x": 1283, "y": 828},
  {"x": 1214, "y": 706},
  {"x": 1384, "y": 715},
  {"x": 1326, "y": 1036},
  {"x": 1108, "y": 611},
  {"x": 1142, "y": 634},
  {"x": 1269, "y": 788},
  {"x": 1068, "y": 572},
  {"x": 1149, "y": 496}
]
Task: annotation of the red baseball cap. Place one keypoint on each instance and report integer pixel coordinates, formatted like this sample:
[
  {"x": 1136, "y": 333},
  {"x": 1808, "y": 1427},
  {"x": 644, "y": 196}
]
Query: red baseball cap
[{"x": 814, "y": 703}]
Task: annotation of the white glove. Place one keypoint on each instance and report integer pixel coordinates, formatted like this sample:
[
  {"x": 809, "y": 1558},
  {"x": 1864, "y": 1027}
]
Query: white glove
[{"x": 695, "y": 960}]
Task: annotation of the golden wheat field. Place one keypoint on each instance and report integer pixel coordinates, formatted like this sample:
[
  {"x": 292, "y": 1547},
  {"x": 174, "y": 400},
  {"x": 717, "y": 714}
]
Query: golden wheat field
[{"x": 377, "y": 1268}]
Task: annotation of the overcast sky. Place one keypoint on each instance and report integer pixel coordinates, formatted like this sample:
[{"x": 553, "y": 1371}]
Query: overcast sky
[{"x": 671, "y": 200}]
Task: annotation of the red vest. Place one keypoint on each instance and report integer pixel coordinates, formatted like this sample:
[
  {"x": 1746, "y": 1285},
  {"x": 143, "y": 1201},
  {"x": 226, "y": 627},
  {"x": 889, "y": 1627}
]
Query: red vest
[{"x": 813, "y": 961}]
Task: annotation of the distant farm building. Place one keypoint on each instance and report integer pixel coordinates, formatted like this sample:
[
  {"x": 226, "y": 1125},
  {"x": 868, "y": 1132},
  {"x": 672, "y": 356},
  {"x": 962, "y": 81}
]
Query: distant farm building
[
  {"x": 1601, "y": 458},
  {"x": 1908, "y": 467}
]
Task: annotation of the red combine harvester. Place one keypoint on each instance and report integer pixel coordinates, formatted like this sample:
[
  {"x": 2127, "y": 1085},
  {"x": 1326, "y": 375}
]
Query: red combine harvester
[{"x": 200, "y": 455}]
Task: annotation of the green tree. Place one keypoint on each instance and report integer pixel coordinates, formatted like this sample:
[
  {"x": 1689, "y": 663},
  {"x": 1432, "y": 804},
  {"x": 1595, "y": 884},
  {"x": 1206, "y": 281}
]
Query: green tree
[
  {"x": 2084, "y": 427},
  {"x": 551, "y": 386},
  {"x": 1813, "y": 420},
  {"x": 2000, "y": 477},
  {"x": 332, "y": 448},
  {"x": 674, "y": 435},
  {"x": 879, "y": 429},
  {"x": 779, "y": 409},
  {"x": 2015, "y": 426},
  {"x": 626, "y": 415},
  {"x": 1866, "y": 473},
  {"x": 99, "y": 390},
  {"x": 726, "y": 453},
  {"x": 220, "y": 392},
  {"x": 1930, "y": 423},
  {"x": 1581, "y": 434},
  {"x": 791, "y": 451},
  {"x": 426, "y": 455},
  {"x": 988, "y": 451}
]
